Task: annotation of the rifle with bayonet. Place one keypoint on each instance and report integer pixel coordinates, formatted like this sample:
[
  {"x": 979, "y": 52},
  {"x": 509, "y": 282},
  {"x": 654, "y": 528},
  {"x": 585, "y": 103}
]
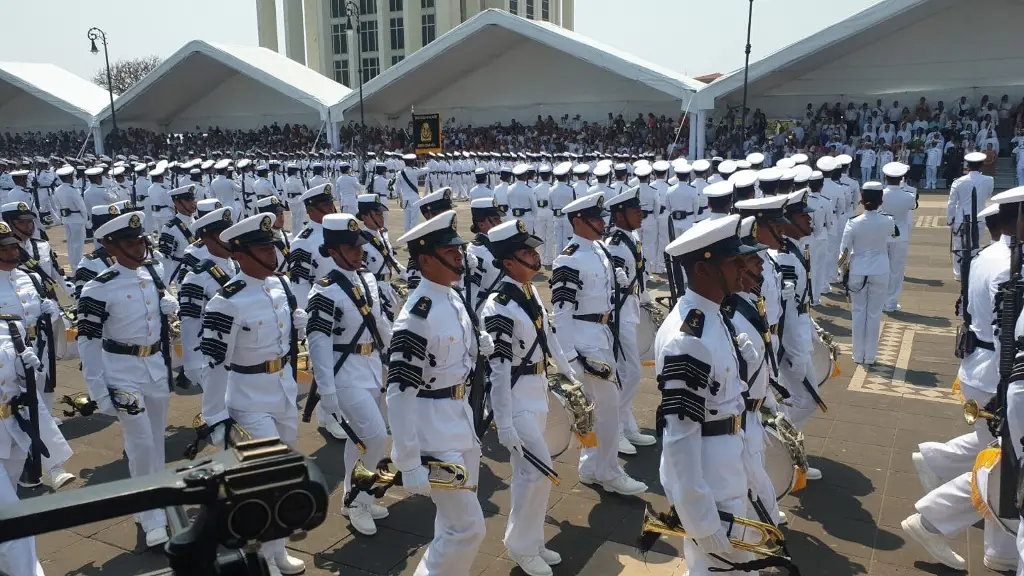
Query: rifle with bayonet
[
  {"x": 968, "y": 231},
  {"x": 1009, "y": 310}
]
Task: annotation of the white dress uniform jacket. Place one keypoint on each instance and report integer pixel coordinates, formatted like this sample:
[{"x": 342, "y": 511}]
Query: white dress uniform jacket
[
  {"x": 866, "y": 237},
  {"x": 175, "y": 237},
  {"x": 306, "y": 264},
  {"x": 898, "y": 202}
]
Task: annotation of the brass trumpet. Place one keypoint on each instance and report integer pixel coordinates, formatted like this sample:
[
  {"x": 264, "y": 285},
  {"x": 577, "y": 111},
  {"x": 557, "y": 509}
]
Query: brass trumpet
[
  {"x": 972, "y": 412},
  {"x": 772, "y": 541},
  {"x": 443, "y": 476}
]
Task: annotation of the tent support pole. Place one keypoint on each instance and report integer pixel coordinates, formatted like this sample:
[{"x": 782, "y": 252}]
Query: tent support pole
[{"x": 746, "y": 69}]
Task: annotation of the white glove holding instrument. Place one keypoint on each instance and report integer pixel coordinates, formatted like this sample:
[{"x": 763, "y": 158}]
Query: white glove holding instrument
[
  {"x": 621, "y": 277},
  {"x": 168, "y": 306},
  {"x": 329, "y": 402},
  {"x": 30, "y": 359},
  {"x": 509, "y": 438},
  {"x": 486, "y": 344},
  {"x": 788, "y": 290},
  {"x": 49, "y": 307},
  {"x": 717, "y": 543},
  {"x": 747, "y": 349},
  {"x": 299, "y": 320},
  {"x": 416, "y": 481}
]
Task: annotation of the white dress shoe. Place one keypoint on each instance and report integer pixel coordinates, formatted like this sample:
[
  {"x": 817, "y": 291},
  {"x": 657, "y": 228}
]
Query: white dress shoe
[
  {"x": 156, "y": 537},
  {"x": 935, "y": 544},
  {"x": 551, "y": 557},
  {"x": 378, "y": 512},
  {"x": 638, "y": 439},
  {"x": 783, "y": 519},
  {"x": 334, "y": 429},
  {"x": 623, "y": 484},
  {"x": 999, "y": 564},
  {"x": 588, "y": 479},
  {"x": 532, "y": 565},
  {"x": 625, "y": 447},
  {"x": 930, "y": 480},
  {"x": 813, "y": 473},
  {"x": 288, "y": 564},
  {"x": 58, "y": 477},
  {"x": 360, "y": 518}
]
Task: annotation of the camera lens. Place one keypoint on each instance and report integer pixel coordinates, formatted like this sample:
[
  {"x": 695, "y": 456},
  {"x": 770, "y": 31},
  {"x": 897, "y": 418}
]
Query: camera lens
[
  {"x": 295, "y": 508},
  {"x": 249, "y": 519}
]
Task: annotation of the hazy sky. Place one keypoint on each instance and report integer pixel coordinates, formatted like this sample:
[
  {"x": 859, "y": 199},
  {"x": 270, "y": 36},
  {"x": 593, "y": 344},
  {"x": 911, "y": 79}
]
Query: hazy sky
[{"x": 694, "y": 37}]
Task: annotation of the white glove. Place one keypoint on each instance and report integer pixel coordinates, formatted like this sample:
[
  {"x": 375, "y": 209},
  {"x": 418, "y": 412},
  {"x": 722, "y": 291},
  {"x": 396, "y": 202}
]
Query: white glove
[
  {"x": 645, "y": 297},
  {"x": 788, "y": 290},
  {"x": 30, "y": 359},
  {"x": 486, "y": 344},
  {"x": 416, "y": 481},
  {"x": 402, "y": 271},
  {"x": 168, "y": 306},
  {"x": 50, "y": 307},
  {"x": 300, "y": 319},
  {"x": 69, "y": 286},
  {"x": 747, "y": 348},
  {"x": 105, "y": 406},
  {"x": 509, "y": 438},
  {"x": 621, "y": 277},
  {"x": 717, "y": 543},
  {"x": 329, "y": 402}
]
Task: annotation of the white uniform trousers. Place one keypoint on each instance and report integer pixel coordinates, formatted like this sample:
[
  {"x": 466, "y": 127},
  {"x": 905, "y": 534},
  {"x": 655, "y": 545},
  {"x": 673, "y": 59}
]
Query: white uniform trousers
[
  {"x": 950, "y": 459},
  {"x": 348, "y": 205},
  {"x": 865, "y": 173},
  {"x": 58, "y": 447},
  {"x": 819, "y": 265},
  {"x": 361, "y": 408},
  {"x": 528, "y": 221},
  {"x": 697, "y": 562},
  {"x": 75, "y": 233},
  {"x": 958, "y": 246},
  {"x": 930, "y": 173},
  {"x": 1020, "y": 175},
  {"x": 543, "y": 228},
  {"x": 602, "y": 461},
  {"x": 144, "y": 441},
  {"x": 755, "y": 442},
  {"x": 949, "y": 509},
  {"x": 561, "y": 231},
  {"x": 649, "y": 235},
  {"x": 283, "y": 425},
  {"x": 524, "y": 534},
  {"x": 832, "y": 264},
  {"x": 298, "y": 211},
  {"x": 458, "y": 524},
  {"x": 411, "y": 214},
  {"x": 627, "y": 365},
  {"x": 656, "y": 260},
  {"x": 801, "y": 404},
  {"x": 17, "y": 557},
  {"x": 897, "y": 270},
  {"x": 867, "y": 295}
]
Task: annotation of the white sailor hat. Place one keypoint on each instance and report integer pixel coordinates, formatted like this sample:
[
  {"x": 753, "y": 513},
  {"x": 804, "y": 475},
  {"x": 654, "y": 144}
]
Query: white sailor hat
[
  {"x": 206, "y": 165},
  {"x": 317, "y": 194},
  {"x": 628, "y": 199},
  {"x": 207, "y": 205},
  {"x": 562, "y": 169},
  {"x": 826, "y": 164},
  {"x": 544, "y": 168},
  {"x": 755, "y": 158},
  {"x": 117, "y": 171},
  {"x": 216, "y": 220},
  {"x": 481, "y": 208},
  {"x": 342, "y": 229},
  {"x": 65, "y": 170},
  {"x": 682, "y": 167},
  {"x": 507, "y": 237},
  {"x": 222, "y": 164},
  {"x": 7, "y": 237},
  {"x": 718, "y": 189},
  {"x": 815, "y": 175},
  {"x": 183, "y": 191},
  {"x": 710, "y": 240},
  {"x": 370, "y": 203},
  {"x": 769, "y": 175},
  {"x": 743, "y": 179},
  {"x": 802, "y": 173},
  {"x": 764, "y": 208},
  {"x": 1011, "y": 196},
  {"x": 642, "y": 171},
  {"x": 124, "y": 205},
  {"x": 661, "y": 166},
  {"x": 747, "y": 233},
  {"x": 797, "y": 203},
  {"x": 158, "y": 170},
  {"x": 785, "y": 163},
  {"x": 742, "y": 165},
  {"x": 256, "y": 229},
  {"x": 343, "y": 165},
  {"x": 990, "y": 210},
  {"x": 480, "y": 171},
  {"x": 316, "y": 166},
  {"x": 580, "y": 169},
  {"x": 269, "y": 205},
  {"x": 439, "y": 200},
  {"x": 605, "y": 161},
  {"x": 799, "y": 158},
  {"x": 103, "y": 213},
  {"x": 590, "y": 205},
  {"x": 408, "y": 157},
  {"x": 974, "y": 157},
  {"x": 124, "y": 226},
  {"x": 844, "y": 159},
  {"x": 140, "y": 168},
  {"x": 243, "y": 163},
  {"x": 872, "y": 191},
  {"x": 17, "y": 211},
  {"x": 716, "y": 159},
  {"x": 261, "y": 167},
  {"x": 621, "y": 167},
  {"x": 16, "y": 173},
  {"x": 94, "y": 171},
  {"x": 439, "y": 231},
  {"x": 701, "y": 165},
  {"x": 895, "y": 169},
  {"x": 602, "y": 170},
  {"x": 872, "y": 185},
  {"x": 195, "y": 172},
  {"x": 726, "y": 167},
  {"x": 520, "y": 169}
]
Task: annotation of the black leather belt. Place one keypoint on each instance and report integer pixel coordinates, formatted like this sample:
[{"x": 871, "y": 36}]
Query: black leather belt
[
  {"x": 647, "y": 213},
  {"x": 457, "y": 392},
  {"x": 357, "y": 349},
  {"x": 754, "y": 404},
  {"x": 530, "y": 369},
  {"x": 140, "y": 351},
  {"x": 542, "y": 203},
  {"x": 595, "y": 318},
  {"x": 268, "y": 367},
  {"x": 64, "y": 212},
  {"x": 727, "y": 427},
  {"x": 517, "y": 212},
  {"x": 681, "y": 214},
  {"x": 557, "y": 212},
  {"x": 978, "y": 343},
  {"x": 504, "y": 207}
]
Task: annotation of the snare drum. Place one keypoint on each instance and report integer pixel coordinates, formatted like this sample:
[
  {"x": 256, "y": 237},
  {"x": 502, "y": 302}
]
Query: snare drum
[
  {"x": 824, "y": 354},
  {"x": 558, "y": 430},
  {"x": 784, "y": 458},
  {"x": 985, "y": 487},
  {"x": 570, "y": 414},
  {"x": 651, "y": 317}
]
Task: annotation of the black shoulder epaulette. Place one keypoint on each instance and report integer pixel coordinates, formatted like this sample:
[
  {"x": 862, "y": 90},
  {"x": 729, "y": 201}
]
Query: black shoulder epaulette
[
  {"x": 149, "y": 262},
  {"x": 503, "y": 298},
  {"x": 615, "y": 239},
  {"x": 370, "y": 237},
  {"x": 306, "y": 233},
  {"x": 232, "y": 288},
  {"x": 570, "y": 249},
  {"x": 91, "y": 256},
  {"x": 330, "y": 278},
  {"x": 107, "y": 276},
  {"x": 422, "y": 308},
  {"x": 693, "y": 324},
  {"x": 170, "y": 223}
]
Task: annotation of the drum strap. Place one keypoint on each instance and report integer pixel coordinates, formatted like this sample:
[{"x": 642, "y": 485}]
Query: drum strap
[{"x": 532, "y": 309}]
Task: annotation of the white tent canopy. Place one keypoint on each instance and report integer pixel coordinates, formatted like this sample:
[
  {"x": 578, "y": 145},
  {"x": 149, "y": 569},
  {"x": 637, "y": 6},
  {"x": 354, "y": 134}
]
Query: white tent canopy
[
  {"x": 45, "y": 98},
  {"x": 499, "y": 67},
  {"x": 895, "y": 50},
  {"x": 233, "y": 87}
]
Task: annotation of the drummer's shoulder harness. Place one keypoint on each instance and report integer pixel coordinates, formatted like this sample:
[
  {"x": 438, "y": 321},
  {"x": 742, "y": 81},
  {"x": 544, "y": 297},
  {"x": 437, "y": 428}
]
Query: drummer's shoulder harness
[
  {"x": 619, "y": 237},
  {"x": 324, "y": 315},
  {"x": 499, "y": 326},
  {"x": 168, "y": 244},
  {"x": 84, "y": 274},
  {"x": 193, "y": 296}
]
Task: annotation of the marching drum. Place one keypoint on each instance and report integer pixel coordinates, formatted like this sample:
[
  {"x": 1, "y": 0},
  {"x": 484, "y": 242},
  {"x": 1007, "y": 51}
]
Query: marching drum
[
  {"x": 784, "y": 457},
  {"x": 985, "y": 486},
  {"x": 824, "y": 353},
  {"x": 570, "y": 413},
  {"x": 651, "y": 317}
]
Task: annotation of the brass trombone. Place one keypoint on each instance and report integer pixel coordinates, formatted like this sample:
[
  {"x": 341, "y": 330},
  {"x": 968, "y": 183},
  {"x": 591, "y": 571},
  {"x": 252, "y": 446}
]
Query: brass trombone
[
  {"x": 973, "y": 411},
  {"x": 771, "y": 543},
  {"x": 443, "y": 476}
]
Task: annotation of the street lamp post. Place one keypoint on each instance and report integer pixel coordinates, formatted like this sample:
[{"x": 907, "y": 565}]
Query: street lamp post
[
  {"x": 746, "y": 68},
  {"x": 94, "y": 34},
  {"x": 352, "y": 9}
]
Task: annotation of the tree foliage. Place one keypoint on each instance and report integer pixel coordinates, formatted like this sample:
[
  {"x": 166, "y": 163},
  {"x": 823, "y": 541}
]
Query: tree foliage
[{"x": 125, "y": 73}]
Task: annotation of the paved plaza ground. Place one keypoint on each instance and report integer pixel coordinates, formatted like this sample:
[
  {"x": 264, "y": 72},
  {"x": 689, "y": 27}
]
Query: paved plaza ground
[{"x": 845, "y": 524}]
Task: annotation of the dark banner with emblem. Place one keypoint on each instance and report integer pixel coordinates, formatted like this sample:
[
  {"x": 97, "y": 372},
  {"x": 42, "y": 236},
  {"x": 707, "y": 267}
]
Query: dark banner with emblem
[{"x": 427, "y": 131}]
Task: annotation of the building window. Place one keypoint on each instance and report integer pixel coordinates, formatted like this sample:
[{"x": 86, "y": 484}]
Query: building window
[
  {"x": 341, "y": 71},
  {"x": 398, "y": 33},
  {"x": 429, "y": 30},
  {"x": 337, "y": 9},
  {"x": 529, "y": 9},
  {"x": 395, "y": 59},
  {"x": 513, "y": 6},
  {"x": 367, "y": 6},
  {"x": 396, "y": 5},
  {"x": 338, "y": 39},
  {"x": 368, "y": 35},
  {"x": 371, "y": 68},
  {"x": 545, "y": 10},
  {"x": 426, "y": 3}
]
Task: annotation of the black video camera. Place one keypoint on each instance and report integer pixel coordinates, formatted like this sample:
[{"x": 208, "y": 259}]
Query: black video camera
[{"x": 256, "y": 492}]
